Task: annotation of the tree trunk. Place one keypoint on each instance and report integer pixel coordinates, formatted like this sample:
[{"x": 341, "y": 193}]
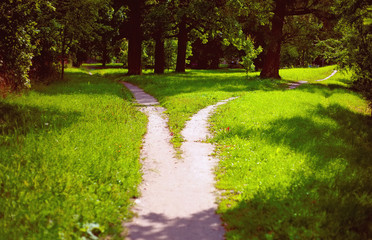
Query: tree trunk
[
  {"x": 159, "y": 53},
  {"x": 63, "y": 52},
  {"x": 182, "y": 47},
  {"x": 135, "y": 38},
  {"x": 272, "y": 59},
  {"x": 104, "y": 56}
]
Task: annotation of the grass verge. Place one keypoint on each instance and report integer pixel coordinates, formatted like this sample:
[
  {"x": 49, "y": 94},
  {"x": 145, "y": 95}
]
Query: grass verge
[
  {"x": 69, "y": 159},
  {"x": 295, "y": 164}
]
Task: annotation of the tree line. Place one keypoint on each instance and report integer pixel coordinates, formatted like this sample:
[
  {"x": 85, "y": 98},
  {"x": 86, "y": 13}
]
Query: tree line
[{"x": 38, "y": 36}]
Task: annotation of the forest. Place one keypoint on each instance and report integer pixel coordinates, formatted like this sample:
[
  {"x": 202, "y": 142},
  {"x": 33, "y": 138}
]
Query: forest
[{"x": 40, "y": 37}]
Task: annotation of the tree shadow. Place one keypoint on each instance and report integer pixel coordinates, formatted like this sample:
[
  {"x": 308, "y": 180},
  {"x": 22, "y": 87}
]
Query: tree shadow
[
  {"x": 82, "y": 83},
  {"x": 325, "y": 90},
  {"x": 332, "y": 207},
  {"x": 21, "y": 119},
  {"x": 203, "y": 225},
  {"x": 308, "y": 209},
  {"x": 348, "y": 134},
  {"x": 212, "y": 81}
]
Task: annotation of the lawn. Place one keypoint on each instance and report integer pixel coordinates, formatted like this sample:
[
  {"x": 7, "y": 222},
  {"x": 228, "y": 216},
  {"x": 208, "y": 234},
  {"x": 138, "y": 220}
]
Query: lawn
[
  {"x": 295, "y": 164},
  {"x": 306, "y": 74},
  {"x": 69, "y": 159},
  {"x": 184, "y": 94}
]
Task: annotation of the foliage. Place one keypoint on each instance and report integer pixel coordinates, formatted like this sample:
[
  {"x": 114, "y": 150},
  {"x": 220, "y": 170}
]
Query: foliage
[
  {"x": 246, "y": 44},
  {"x": 17, "y": 29},
  {"x": 300, "y": 34},
  {"x": 353, "y": 51},
  {"x": 69, "y": 159}
]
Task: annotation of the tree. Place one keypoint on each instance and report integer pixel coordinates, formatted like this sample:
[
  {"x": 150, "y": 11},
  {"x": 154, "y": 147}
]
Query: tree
[
  {"x": 17, "y": 29},
  {"x": 135, "y": 36},
  {"x": 281, "y": 9},
  {"x": 354, "y": 50},
  {"x": 75, "y": 21},
  {"x": 300, "y": 37},
  {"x": 157, "y": 25},
  {"x": 194, "y": 15}
]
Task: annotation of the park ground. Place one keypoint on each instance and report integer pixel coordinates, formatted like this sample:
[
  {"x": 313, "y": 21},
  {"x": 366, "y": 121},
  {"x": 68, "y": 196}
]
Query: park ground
[{"x": 294, "y": 164}]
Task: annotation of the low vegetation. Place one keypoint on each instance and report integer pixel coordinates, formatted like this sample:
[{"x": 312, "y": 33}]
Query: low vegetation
[
  {"x": 69, "y": 159},
  {"x": 185, "y": 94},
  {"x": 294, "y": 163}
]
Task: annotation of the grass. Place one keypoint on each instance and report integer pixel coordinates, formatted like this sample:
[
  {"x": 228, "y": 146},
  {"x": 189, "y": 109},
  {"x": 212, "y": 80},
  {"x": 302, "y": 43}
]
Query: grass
[
  {"x": 295, "y": 164},
  {"x": 306, "y": 74},
  {"x": 185, "y": 94},
  {"x": 69, "y": 159}
]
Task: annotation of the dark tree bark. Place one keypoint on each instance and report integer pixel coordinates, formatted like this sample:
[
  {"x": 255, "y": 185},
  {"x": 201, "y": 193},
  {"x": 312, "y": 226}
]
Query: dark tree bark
[
  {"x": 135, "y": 38},
  {"x": 182, "y": 47},
  {"x": 159, "y": 53},
  {"x": 272, "y": 59},
  {"x": 105, "y": 57},
  {"x": 63, "y": 53}
]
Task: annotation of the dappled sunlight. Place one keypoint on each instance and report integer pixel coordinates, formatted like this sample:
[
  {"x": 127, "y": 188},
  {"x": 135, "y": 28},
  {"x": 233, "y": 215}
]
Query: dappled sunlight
[{"x": 294, "y": 163}]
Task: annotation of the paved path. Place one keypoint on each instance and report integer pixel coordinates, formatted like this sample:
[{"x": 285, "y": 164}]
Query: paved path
[
  {"x": 297, "y": 84},
  {"x": 178, "y": 195}
]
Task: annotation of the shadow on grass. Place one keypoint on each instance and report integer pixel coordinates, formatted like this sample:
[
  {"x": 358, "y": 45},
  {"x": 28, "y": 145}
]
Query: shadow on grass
[
  {"x": 20, "y": 120},
  {"x": 201, "y": 226},
  {"x": 350, "y": 137},
  {"x": 323, "y": 89},
  {"x": 309, "y": 209},
  {"x": 333, "y": 207},
  {"x": 82, "y": 83},
  {"x": 200, "y": 81}
]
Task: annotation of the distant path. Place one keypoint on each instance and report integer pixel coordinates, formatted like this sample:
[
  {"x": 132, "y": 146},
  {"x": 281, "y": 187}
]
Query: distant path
[
  {"x": 177, "y": 195},
  {"x": 297, "y": 84}
]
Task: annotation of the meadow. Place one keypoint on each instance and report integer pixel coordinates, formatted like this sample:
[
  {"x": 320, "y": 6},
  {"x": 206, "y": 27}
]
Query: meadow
[
  {"x": 69, "y": 159},
  {"x": 294, "y": 164}
]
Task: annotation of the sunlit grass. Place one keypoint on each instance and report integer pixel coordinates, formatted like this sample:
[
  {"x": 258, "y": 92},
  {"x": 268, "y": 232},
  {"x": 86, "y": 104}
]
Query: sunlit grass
[
  {"x": 306, "y": 74},
  {"x": 69, "y": 159},
  {"x": 185, "y": 94},
  {"x": 295, "y": 164}
]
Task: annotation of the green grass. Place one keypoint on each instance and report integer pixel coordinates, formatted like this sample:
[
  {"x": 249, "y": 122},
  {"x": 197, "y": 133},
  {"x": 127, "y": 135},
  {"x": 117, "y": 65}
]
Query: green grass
[
  {"x": 295, "y": 164},
  {"x": 185, "y": 94},
  {"x": 306, "y": 74},
  {"x": 69, "y": 159}
]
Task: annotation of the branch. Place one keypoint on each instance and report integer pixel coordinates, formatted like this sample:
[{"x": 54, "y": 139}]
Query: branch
[{"x": 303, "y": 11}]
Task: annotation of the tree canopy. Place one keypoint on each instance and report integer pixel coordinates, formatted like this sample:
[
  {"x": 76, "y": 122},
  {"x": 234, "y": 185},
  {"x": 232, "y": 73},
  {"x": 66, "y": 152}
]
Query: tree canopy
[{"x": 41, "y": 36}]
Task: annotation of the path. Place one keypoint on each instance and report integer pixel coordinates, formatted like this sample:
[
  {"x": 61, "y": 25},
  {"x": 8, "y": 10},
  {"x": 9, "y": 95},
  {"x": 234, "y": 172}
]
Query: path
[
  {"x": 177, "y": 195},
  {"x": 297, "y": 84}
]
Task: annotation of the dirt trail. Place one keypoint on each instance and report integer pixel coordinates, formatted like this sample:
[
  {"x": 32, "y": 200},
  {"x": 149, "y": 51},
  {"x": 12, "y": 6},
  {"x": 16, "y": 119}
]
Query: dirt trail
[{"x": 178, "y": 195}]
